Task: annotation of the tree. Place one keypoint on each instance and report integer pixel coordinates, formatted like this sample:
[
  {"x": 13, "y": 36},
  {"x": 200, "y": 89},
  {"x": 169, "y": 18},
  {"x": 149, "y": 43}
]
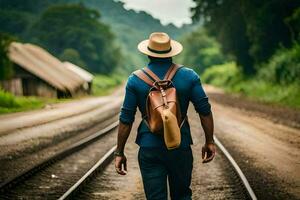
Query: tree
[
  {"x": 73, "y": 56},
  {"x": 14, "y": 22},
  {"x": 251, "y": 30},
  {"x": 73, "y": 26},
  {"x": 16, "y": 16},
  {"x": 293, "y": 22},
  {"x": 30, "y": 6},
  {"x": 6, "y": 66},
  {"x": 201, "y": 51}
]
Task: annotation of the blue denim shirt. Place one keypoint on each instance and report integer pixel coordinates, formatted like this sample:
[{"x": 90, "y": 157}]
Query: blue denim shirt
[{"x": 188, "y": 87}]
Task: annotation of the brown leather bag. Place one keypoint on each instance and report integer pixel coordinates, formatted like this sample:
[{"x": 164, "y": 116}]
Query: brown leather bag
[{"x": 163, "y": 114}]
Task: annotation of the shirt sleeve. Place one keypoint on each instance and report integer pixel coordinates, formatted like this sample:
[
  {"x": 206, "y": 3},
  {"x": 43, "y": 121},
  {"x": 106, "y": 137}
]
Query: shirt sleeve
[
  {"x": 128, "y": 109},
  {"x": 198, "y": 96}
]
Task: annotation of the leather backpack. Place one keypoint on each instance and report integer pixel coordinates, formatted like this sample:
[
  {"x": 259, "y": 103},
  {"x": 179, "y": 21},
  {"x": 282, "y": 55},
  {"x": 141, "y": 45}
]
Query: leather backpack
[{"x": 163, "y": 114}]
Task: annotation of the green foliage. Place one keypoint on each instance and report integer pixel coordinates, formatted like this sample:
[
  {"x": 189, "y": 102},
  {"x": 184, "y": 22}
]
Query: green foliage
[
  {"x": 229, "y": 77},
  {"x": 18, "y": 22},
  {"x": 6, "y": 67},
  {"x": 222, "y": 75},
  {"x": 77, "y": 27},
  {"x": 10, "y": 103},
  {"x": 257, "y": 89},
  {"x": 293, "y": 22},
  {"x": 7, "y": 100},
  {"x": 102, "y": 85},
  {"x": 223, "y": 19},
  {"x": 283, "y": 67},
  {"x": 73, "y": 56},
  {"x": 263, "y": 38},
  {"x": 249, "y": 30},
  {"x": 200, "y": 51},
  {"x": 17, "y": 16},
  {"x": 30, "y": 6}
]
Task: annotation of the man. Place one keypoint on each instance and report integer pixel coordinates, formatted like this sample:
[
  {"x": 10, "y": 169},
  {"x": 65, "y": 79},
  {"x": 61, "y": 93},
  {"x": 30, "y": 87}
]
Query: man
[{"x": 157, "y": 163}]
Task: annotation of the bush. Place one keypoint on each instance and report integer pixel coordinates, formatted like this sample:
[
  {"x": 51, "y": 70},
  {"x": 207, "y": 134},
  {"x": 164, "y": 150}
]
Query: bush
[
  {"x": 222, "y": 75},
  {"x": 10, "y": 103},
  {"x": 8, "y": 100},
  {"x": 103, "y": 84},
  {"x": 283, "y": 67},
  {"x": 229, "y": 77}
]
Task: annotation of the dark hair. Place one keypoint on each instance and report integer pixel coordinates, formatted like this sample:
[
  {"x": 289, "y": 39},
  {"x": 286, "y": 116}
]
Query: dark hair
[{"x": 152, "y": 58}]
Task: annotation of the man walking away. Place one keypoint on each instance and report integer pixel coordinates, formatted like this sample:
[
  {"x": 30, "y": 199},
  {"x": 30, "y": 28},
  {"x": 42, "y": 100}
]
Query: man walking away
[{"x": 157, "y": 162}]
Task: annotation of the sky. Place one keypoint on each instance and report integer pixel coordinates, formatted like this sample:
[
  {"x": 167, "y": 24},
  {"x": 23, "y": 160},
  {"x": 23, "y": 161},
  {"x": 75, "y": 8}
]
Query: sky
[{"x": 168, "y": 11}]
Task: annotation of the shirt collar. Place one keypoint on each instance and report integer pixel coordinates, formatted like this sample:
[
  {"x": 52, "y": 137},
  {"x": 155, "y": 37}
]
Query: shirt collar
[{"x": 155, "y": 61}]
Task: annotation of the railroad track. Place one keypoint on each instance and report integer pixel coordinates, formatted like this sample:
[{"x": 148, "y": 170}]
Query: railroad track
[
  {"x": 28, "y": 183},
  {"x": 79, "y": 186},
  {"x": 247, "y": 189},
  {"x": 8, "y": 188}
]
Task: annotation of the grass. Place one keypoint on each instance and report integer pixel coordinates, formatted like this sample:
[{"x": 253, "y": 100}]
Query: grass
[
  {"x": 288, "y": 95},
  {"x": 228, "y": 77},
  {"x": 10, "y": 103},
  {"x": 104, "y": 85}
]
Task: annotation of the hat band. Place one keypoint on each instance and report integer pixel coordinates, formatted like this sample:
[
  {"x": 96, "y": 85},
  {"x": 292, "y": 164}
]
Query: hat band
[{"x": 159, "y": 52}]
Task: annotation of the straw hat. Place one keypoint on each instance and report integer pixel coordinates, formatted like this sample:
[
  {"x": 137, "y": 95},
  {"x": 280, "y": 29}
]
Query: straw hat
[{"x": 160, "y": 45}]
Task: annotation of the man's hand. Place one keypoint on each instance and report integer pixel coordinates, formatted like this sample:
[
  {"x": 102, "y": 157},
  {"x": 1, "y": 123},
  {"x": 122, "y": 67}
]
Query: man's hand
[
  {"x": 121, "y": 165},
  {"x": 208, "y": 152}
]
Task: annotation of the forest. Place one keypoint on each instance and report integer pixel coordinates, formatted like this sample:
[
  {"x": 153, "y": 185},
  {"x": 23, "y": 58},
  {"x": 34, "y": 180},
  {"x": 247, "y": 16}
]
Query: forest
[
  {"x": 247, "y": 47},
  {"x": 83, "y": 33},
  {"x": 71, "y": 32}
]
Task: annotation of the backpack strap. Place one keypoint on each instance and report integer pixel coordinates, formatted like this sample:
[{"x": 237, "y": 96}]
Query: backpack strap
[
  {"x": 172, "y": 71},
  {"x": 168, "y": 72},
  {"x": 151, "y": 74},
  {"x": 145, "y": 74},
  {"x": 169, "y": 75},
  {"x": 141, "y": 74}
]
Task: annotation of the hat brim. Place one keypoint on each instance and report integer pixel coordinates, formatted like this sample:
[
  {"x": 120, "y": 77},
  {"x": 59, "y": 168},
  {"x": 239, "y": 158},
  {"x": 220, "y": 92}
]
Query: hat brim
[{"x": 176, "y": 49}]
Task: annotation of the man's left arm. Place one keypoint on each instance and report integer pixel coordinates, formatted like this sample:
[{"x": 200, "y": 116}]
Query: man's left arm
[
  {"x": 209, "y": 149},
  {"x": 203, "y": 108},
  {"x": 127, "y": 116},
  {"x": 120, "y": 158}
]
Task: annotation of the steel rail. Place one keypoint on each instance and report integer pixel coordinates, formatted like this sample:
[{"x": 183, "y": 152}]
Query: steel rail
[
  {"x": 107, "y": 157},
  {"x": 103, "y": 162},
  {"x": 60, "y": 155},
  {"x": 237, "y": 169}
]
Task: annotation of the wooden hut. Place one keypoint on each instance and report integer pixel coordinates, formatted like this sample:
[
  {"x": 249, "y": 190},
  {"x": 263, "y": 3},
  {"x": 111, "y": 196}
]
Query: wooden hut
[
  {"x": 84, "y": 74},
  {"x": 38, "y": 73}
]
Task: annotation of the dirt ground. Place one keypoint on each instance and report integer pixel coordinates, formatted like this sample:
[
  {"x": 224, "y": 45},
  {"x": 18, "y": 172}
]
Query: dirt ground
[
  {"x": 52, "y": 112},
  {"x": 264, "y": 143},
  {"x": 277, "y": 114}
]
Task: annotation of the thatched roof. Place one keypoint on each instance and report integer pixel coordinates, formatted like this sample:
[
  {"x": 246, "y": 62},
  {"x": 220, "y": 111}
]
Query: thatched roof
[
  {"x": 87, "y": 76},
  {"x": 45, "y": 66}
]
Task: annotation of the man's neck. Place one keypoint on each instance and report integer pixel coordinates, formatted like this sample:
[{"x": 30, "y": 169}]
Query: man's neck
[{"x": 160, "y": 61}]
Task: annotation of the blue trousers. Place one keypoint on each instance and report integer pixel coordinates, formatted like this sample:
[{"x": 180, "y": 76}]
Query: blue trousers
[{"x": 158, "y": 165}]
